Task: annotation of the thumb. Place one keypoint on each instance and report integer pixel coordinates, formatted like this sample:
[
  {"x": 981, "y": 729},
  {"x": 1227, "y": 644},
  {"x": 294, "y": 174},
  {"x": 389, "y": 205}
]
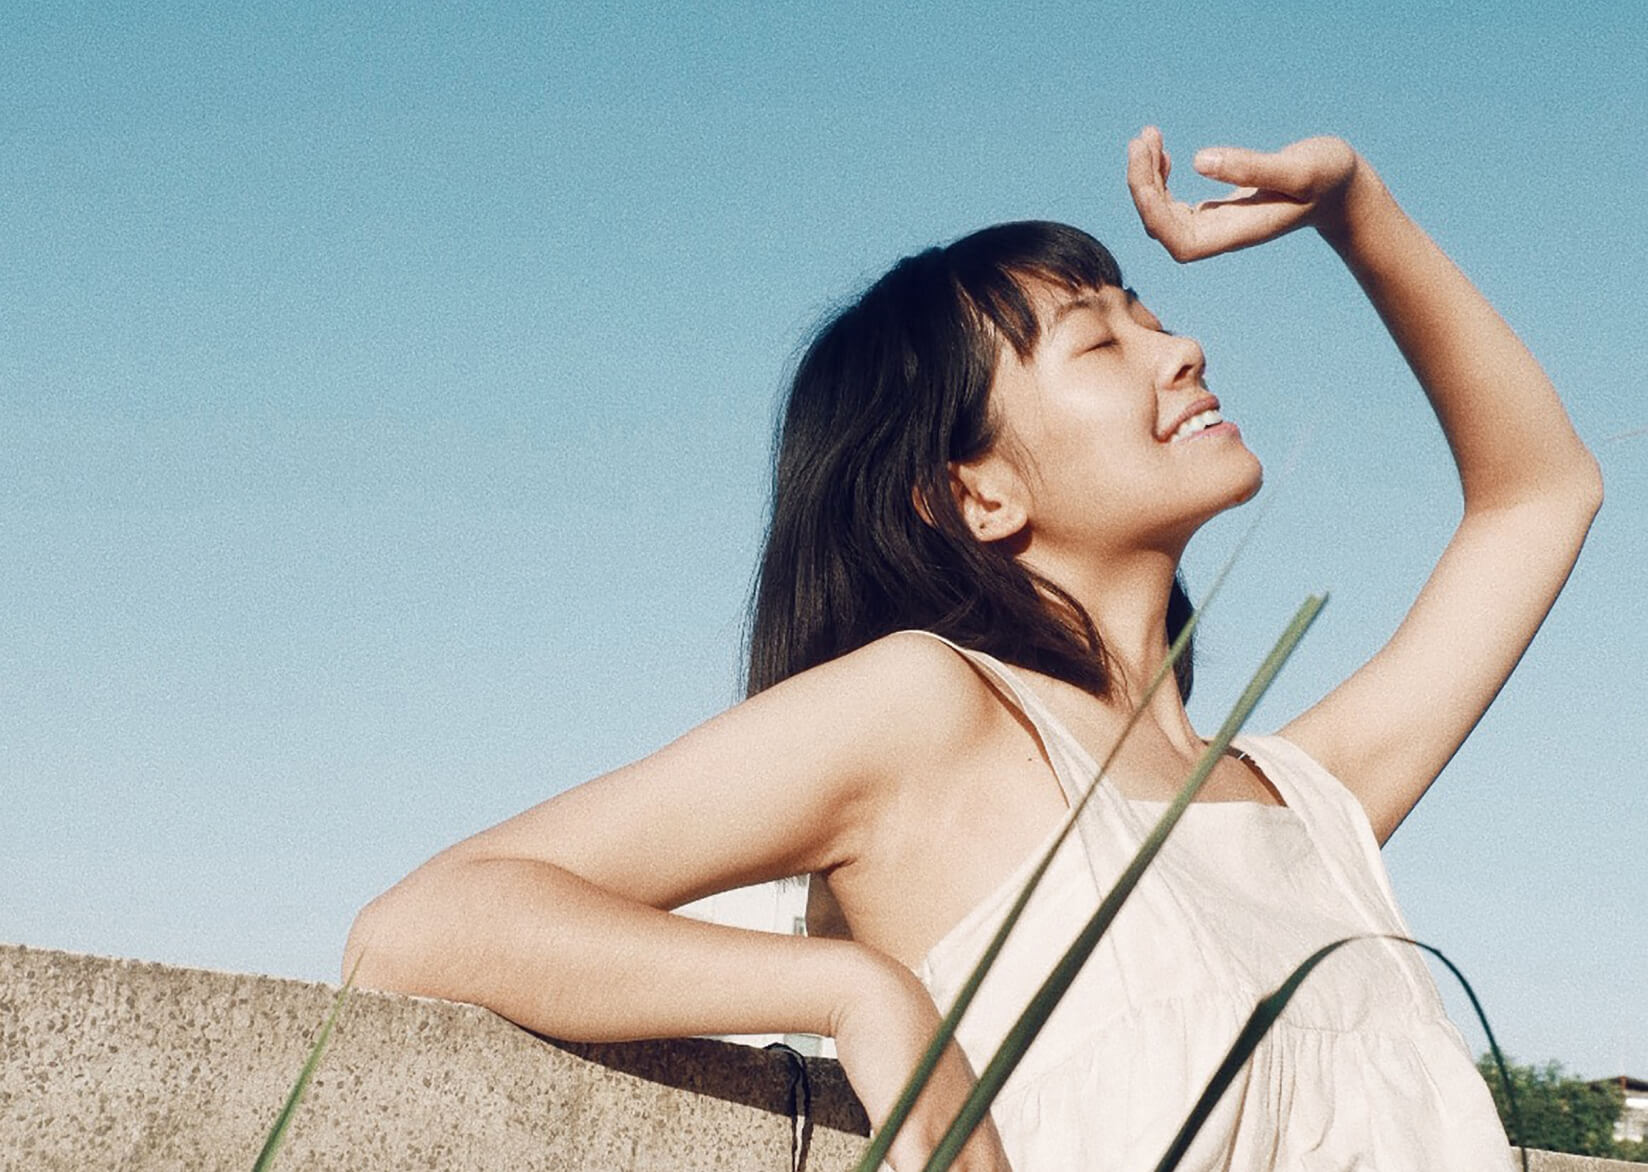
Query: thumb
[{"x": 1248, "y": 168}]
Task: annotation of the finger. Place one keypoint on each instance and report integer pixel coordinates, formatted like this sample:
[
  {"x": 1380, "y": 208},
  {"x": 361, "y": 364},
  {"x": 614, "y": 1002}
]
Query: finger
[
  {"x": 1153, "y": 141},
  {"x": 1147, "y": 171},
  {"x": 1149, "y": 190},
  {"x": 1248, "y": 168},
  {"x": 1240, "y": 221},
  {"x": 1172, "y": 222},
  {"x": 1212, "y": 226}
]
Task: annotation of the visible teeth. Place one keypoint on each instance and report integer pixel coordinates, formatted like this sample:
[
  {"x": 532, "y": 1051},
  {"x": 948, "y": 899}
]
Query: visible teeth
[{"x": 1198, "y": 423}]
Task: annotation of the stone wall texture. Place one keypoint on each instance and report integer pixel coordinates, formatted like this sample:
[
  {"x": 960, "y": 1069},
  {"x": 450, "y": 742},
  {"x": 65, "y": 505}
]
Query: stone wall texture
[
  {"x": 113, "y": 1064},
  {"x": 116, "y": 1064}
]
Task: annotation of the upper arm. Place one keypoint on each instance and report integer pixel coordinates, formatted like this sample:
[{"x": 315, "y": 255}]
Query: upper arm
[
  {"x": 787, "y": 782},
  {"x": 1389, "y": 729}
]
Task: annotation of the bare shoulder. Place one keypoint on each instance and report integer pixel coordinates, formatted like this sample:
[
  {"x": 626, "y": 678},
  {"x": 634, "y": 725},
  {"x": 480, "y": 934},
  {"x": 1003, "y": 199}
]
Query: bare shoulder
[
  {"x": 905, "y": 693},
  {"x": 921, "y": 670}
]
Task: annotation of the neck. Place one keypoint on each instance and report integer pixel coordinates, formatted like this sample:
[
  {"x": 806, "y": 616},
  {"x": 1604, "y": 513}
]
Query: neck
[{"x": 1126, "y": 597}]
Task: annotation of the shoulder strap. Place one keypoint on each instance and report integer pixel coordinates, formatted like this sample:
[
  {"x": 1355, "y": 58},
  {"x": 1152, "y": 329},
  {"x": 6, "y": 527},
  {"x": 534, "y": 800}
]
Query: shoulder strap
[{"x": 1072, "y": 764}]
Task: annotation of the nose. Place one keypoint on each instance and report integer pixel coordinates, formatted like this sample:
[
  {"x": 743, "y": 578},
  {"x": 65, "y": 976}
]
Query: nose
[{"x": 1182, "y": 362}]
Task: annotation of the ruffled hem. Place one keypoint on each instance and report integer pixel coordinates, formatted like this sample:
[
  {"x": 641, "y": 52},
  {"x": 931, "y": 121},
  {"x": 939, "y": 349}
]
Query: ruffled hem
[{"x": 1309, "y": 1100}]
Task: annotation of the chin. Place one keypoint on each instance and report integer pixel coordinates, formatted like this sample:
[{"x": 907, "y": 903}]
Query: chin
[
  {"x": 1246, "y": 477},
  {"x": 1254, "y": 483},
  {"x": 1233, "y": 486},
  {"x": 1181, "y": 534}
]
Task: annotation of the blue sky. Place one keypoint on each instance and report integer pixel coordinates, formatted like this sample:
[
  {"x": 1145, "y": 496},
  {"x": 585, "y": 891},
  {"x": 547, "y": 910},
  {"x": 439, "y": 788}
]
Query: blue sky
[{"x": 386, "y": 396}]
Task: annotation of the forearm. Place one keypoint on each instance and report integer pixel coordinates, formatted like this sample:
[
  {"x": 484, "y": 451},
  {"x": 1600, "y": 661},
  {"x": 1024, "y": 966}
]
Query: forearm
[
  {"x": 566, "y": 958},
  {"x": 1507, "y": 429}
]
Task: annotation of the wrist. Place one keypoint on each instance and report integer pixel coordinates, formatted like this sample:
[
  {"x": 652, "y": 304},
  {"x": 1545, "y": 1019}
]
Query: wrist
[
  {"x": 862, "y": 976},
  {"x": 1355, "y": 218}
]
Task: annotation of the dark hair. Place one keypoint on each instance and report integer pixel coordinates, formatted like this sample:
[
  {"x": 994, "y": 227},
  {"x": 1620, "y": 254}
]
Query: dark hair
[{"x": 891, "y": 390}]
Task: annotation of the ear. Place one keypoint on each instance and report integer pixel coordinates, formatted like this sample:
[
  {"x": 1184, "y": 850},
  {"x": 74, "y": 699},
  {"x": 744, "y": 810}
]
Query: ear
[{"x": 990, "y": 497}]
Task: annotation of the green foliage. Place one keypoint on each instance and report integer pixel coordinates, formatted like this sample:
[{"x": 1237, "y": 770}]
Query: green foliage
[
  {"x": 1560, "y": 1113},
  {"x": 1635, "y": 1151}
]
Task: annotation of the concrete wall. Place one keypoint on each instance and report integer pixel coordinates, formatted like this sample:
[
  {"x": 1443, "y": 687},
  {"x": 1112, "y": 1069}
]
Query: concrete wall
[{"x": 113, "y": 1064}]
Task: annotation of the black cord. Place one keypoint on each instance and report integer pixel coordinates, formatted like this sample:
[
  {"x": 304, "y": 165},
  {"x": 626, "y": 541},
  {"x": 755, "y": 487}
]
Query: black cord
[{"x": 800, "y": 1105}]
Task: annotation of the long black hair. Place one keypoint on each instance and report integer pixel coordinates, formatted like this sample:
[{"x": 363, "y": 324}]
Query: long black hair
[{"x": 892, "y": 389}]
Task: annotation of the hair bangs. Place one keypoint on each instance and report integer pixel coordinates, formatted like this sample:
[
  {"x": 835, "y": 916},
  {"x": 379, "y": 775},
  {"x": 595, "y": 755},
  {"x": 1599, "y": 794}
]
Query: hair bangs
[{"x": 994, "y": 269}]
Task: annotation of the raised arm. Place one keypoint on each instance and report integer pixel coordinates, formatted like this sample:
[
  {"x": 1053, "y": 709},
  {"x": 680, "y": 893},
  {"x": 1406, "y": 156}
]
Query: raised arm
[
  {"x": 558, "y": 920},
  {"x": 1530, "y": 486}
]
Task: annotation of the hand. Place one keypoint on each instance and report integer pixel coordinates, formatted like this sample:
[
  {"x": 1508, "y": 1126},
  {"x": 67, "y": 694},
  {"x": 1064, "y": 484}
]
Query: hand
[
  {"x": 880, "y": 1034},
  {"x": 1303, "y": 183}
]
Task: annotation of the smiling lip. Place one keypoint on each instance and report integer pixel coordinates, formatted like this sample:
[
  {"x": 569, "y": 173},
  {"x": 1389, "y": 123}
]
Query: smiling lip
[
  {"x": 1223, "y": 427},
  {"x": 1206, "y": 403}
]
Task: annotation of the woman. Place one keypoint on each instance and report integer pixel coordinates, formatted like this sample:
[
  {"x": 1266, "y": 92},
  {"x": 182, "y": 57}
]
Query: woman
[{"x": 1000, "y": 445}]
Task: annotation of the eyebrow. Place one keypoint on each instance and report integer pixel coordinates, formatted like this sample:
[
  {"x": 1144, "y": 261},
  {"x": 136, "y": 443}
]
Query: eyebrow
[{"x": 1087, "y": 301}]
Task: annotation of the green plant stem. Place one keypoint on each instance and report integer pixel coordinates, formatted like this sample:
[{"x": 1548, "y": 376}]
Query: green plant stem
[{"x": 277, "y": 1134}]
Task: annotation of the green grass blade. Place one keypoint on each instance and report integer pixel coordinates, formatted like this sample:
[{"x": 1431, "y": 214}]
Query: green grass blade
[
  {"x": 1270, "y": 1008},
  {"x": 1041, "y": 1006},
  {"x": 277, "y": 1133},
  {"x": 882, "y": 1142}
]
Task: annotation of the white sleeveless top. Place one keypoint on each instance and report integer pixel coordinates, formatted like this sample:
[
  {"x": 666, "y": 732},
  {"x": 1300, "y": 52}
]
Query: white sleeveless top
[{"x": 1362, "y": 1071}]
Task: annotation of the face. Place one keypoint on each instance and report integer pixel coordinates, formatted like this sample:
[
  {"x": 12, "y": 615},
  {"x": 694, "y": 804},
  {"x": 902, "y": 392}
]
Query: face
[{"x": 1109, "y": 430}]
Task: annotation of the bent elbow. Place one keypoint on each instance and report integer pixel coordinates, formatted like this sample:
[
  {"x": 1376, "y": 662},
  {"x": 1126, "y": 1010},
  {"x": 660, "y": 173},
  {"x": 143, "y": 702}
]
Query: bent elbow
[
  {"x": 382, "y": 950},
  {"x": 1572, "y": 500},
  {"x": 363, "y": 965},
  {"x": 1581, "y": 495}
]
